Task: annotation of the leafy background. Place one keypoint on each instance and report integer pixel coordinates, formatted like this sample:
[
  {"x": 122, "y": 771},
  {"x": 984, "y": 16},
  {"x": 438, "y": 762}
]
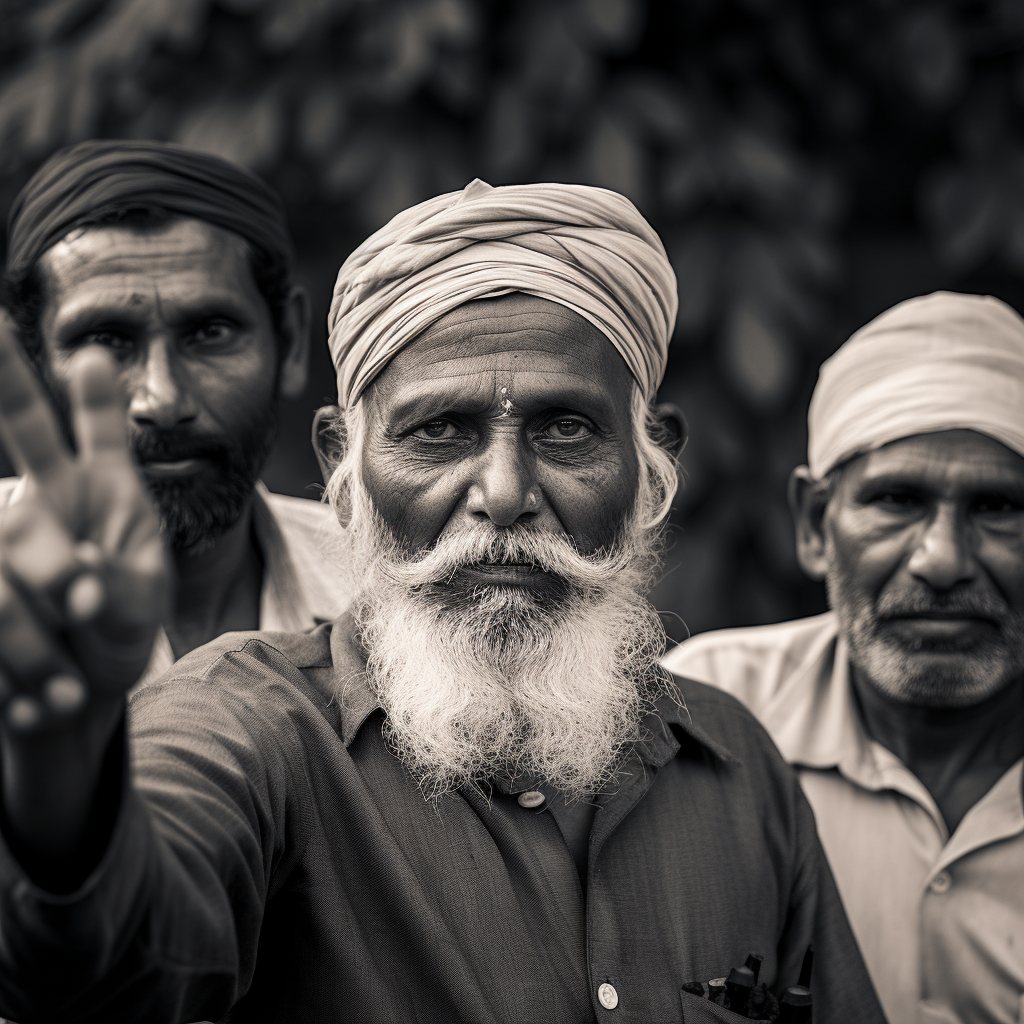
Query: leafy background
[{"x": 808, "y": 164}]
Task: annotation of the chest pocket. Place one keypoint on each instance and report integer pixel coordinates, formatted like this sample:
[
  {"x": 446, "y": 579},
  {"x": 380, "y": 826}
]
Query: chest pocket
[{"x": 703, "y": 1011}]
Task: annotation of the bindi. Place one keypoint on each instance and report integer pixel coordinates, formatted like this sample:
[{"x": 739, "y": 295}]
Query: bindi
[{"x": 506, "y": 403}]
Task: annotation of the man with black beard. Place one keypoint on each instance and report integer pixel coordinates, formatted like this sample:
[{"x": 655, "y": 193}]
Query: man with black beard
[
  {"x": 903, "y": 707},
  {"x": 179, "y": 263},
  {"x": 474, "y": 798}
]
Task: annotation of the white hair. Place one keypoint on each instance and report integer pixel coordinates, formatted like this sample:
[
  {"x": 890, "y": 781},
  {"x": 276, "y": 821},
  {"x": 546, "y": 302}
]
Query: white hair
[{"x": 480, "y": 680}]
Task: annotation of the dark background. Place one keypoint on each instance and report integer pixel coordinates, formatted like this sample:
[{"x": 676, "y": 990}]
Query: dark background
[{"x": 807, "y": 164}]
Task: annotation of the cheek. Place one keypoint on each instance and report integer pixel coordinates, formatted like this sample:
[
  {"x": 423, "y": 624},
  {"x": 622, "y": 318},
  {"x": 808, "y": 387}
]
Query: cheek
[
  {"x": 235, "y": 392},
  {"x": 416, "y": 509},
  {"x": 592, "y": 506}
]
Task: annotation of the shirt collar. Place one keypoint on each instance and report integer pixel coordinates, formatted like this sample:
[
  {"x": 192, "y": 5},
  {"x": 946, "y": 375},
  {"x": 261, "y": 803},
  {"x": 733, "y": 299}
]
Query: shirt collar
[
  {"x": 283, "y": 603},
  {"x": 815, "y": 721}
]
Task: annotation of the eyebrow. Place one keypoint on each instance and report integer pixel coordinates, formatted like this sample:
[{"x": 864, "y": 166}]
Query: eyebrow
[
  {"x": 93, "y": 314},
  {"x": 1000, "y": 481},
  {"x": 436, "y": 398}
]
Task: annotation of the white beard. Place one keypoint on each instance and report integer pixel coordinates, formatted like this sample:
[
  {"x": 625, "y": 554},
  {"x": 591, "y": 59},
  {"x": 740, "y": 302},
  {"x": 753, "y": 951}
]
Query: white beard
[{"x": 495, "y": 680}]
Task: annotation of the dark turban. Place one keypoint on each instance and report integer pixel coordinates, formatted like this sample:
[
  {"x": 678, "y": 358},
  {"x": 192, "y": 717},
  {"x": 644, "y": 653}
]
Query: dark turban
[{"x": 97, "y": 177}]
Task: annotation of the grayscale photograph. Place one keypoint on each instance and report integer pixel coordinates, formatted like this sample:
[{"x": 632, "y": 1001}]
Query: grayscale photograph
[{"x": 512, "y": 511}]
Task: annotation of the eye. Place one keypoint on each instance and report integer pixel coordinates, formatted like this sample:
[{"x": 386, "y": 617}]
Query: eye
[
  {"x": 436, "y": 430},
  {"x": 212, "y": 331},
  {"x": 567, "y": 428},
  {"x": 117, "y": 343},
  {"x": 997, "y": 504},
  {"x": 896, "y": 499}
]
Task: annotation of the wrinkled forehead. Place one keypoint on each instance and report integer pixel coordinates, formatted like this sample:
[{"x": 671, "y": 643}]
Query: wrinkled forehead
[
  {"x": 521, "y": 340},
  {"x": 946, "y": 460}
]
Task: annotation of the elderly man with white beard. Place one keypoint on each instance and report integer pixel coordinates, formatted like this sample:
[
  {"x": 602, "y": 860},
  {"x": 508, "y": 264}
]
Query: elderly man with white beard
[{"x": 476, "y": 797}]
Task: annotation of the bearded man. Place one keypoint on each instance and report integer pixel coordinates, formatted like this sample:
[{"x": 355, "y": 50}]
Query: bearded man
[
  {"x": 903, "y": 707},
  {"x": 474, "y": 798},
  {"x": 180, "y": 264}
]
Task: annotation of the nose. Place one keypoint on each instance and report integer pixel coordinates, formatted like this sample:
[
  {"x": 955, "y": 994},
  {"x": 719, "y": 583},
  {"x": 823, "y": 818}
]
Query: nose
[
  {"x": 157, "y": 398},
  {"x": 504, "y": 487},
  {"x": 943, "y": 556}
]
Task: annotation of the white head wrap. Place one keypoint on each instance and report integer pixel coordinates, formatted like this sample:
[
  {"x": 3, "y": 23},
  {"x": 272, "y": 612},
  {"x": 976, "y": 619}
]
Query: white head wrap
[
  {"x": 583, "y": 247},
  {"x": 939, "y": 362}
]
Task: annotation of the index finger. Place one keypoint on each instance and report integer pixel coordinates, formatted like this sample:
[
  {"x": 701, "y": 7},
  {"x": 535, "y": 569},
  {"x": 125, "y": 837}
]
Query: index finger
[
  {"x": 28, "y": 424},
  {"x": 98, "y": 405}
]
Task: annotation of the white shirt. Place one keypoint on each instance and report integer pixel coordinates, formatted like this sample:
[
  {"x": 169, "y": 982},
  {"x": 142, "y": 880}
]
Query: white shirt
[
  {"x": 301, "y": 587},
  {"x": 939, "y": 918}
]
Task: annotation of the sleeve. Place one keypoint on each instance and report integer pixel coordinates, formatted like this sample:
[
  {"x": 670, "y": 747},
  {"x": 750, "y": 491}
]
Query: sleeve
[
  {"x": 165, "y": 929},
  {"x": 841, "y": 987}
]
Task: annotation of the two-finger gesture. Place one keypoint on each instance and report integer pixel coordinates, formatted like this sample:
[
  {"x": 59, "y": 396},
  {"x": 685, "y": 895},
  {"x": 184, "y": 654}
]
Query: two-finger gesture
[{"x": 84, "y": 577}]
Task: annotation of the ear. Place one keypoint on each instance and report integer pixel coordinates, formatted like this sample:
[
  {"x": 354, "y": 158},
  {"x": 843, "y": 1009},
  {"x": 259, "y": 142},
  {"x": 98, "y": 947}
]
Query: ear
[
  {"x": 295, "y": 336},
  {"x": 674, "y": 430},
  {"x": 325, "y": 439},
  {"x": 808, "y": 500}
]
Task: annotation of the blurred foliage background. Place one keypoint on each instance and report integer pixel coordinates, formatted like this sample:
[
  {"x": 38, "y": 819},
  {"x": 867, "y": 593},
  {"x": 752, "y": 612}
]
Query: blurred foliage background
[{"x": 808, "y": 164}]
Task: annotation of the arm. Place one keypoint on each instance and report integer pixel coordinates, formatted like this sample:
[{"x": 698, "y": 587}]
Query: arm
[
  {"x": 166, "y": 927},
  {"x": 83, "y": 584},
  {"x": 842, "y": 989}
]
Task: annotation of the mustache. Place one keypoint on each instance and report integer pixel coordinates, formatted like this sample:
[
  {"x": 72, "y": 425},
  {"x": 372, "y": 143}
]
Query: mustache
[
  {"x": 481, "y": 544},
  {"x": 163, "y": 445},
  {"x": 958, "y": 602}
]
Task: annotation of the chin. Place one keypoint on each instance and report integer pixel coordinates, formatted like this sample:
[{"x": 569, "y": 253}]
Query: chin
[{"x": 933, "y": 678}]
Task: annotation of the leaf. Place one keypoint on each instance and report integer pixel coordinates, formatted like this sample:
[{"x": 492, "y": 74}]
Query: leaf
[
  {"x": 965, "y": 209},
  {"x": 762, "y": 170},
  {"x": 354, "y": 165},
  {"x": 614, "y": 159},
  {"x": 611, "y": 25},
  {"x": 509, "y": 134},
  {"x": 294, "y": 21},
  {"x": 321, "y": 119},
  {"x": 656, "y": 106},
  {"x": 930, "y": 55},
  {"x": 688, "y": 181},
  {"x": 697, "y": 260},
  {"x": 758, "y": 358},
  {"x": 247, "y": 132}
]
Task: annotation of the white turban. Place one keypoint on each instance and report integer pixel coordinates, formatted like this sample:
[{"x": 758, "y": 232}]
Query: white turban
[
  {"x": 583, "y": 247},
  {"x": 939, "y": 362}
]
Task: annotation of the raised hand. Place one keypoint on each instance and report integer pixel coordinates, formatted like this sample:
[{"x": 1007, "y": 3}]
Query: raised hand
[{"x": 84, "y": 577}]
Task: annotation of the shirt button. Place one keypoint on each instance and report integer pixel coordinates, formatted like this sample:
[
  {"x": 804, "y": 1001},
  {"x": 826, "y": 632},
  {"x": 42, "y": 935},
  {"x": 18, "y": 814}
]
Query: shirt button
[
  {"x": 941, "y": 883},
  {"x": 607, "y": 996},
  {"x": 531, "y": 799}
]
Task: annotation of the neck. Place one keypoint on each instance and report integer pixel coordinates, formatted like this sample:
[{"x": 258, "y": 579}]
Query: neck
[
  {"x": 218, "y": 588},
  {"x": 958, "y": 753}
]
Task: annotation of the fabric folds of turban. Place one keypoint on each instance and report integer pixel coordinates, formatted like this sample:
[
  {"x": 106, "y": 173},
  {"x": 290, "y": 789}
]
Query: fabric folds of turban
[
  {"x": 92, "y": 177},
  {"x": 944, "y": 361},
  {"x": 583, "y": 247}
]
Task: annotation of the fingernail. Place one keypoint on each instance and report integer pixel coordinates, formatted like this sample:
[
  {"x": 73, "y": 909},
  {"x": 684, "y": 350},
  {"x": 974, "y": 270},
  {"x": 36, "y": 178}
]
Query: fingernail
[
  {"x": 85, "y": 597},
  {"x": 88, "y": 553},
  {"x": 24, "y": 713},
  {"x": 65, "y": 694}
]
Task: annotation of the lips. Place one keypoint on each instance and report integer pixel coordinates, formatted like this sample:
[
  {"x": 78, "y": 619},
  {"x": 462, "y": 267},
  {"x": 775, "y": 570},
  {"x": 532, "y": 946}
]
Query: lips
[
  {"x": 941, "y": 626},
  {"x": 173, "y": 468},
  {"x": 508, "y": 573}
]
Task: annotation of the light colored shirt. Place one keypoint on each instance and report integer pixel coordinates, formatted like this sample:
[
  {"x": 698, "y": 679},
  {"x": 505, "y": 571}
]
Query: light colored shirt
[
  {"x": 301, "y": 587},
  {"x": 939, "y": 918}
]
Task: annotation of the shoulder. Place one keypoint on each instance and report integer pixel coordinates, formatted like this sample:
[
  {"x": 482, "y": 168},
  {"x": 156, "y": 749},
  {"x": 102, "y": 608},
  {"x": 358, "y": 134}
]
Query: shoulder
[
  {"x": 752, "y": 663},
  {"x": 311, "y": 532},
  {"x": 727, "y": 722},
  {"x": 256, "y": 680},
  {"x": 300, "y": 514}
]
